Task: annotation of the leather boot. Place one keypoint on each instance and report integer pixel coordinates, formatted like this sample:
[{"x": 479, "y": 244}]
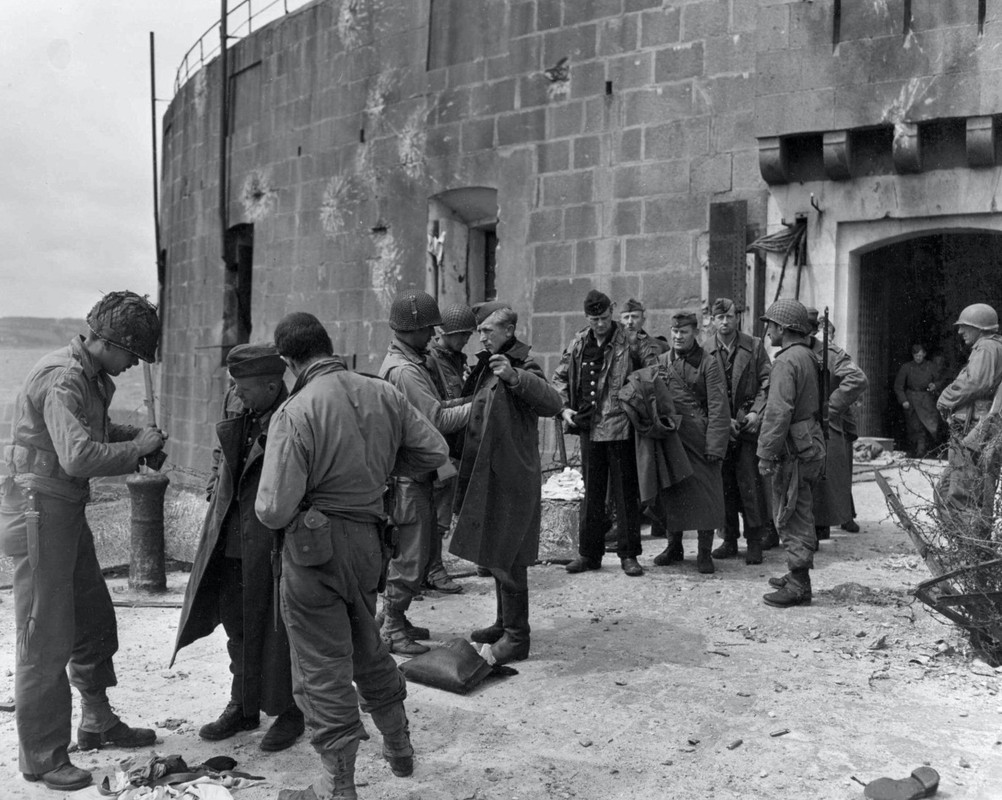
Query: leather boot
[
  {"x": 415, "y": 632},
  {"x": 64, "y": 778},
  {"x": 704, "y": 560},
  {"x": 780, "y": 582},
  {"x": 823, "y": 532},
  {"x": 514, "y": 644},
  {"x": 729, "y": 547},
  {"x": 394, "y": 633},
  {"x": 229, "y": 723},
  {"x": 753, "y": 542},
  {"x": 392, "y": 723},
  {"x": 287, "y": 727},
  {"x": 673, "y": 553},
  {"x": 337, "y": 781},
  {"x": 771, "y": 537},
  {"x": 796, "y": 591},
  {"x": 495, "y": 631}
]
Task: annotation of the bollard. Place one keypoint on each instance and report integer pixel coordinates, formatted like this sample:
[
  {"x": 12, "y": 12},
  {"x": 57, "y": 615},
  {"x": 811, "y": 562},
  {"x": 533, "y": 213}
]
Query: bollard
[{"x": 147, "y": 572}]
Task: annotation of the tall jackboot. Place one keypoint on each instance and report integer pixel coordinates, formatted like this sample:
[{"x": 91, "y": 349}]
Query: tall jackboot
[
  {"x": 753, "y": 542},
  {"x": 514, "y": 644},
  {"x": 704, "y": 559},
  {"x": 395, "y": 634},
  {"x": 337, "y": 781},
  {"x": 495, "y": 631},
  {"x": 673, "y": 553},
  {"x": 392, "y": 723}
]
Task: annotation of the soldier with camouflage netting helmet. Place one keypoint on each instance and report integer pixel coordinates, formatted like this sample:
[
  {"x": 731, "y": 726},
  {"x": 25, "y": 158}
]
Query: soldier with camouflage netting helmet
[
  {"x": 791, "y": 447},
  {"x": 66, "y": 628},
  {"x": 413, "y": 317}
]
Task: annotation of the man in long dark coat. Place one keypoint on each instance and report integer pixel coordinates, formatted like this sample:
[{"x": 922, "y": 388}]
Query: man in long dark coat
[
  {"x": 846, "y": 383},
  {"x": 745, "y": 364},
  {"x": 498, "y": 489},
  {"x": 916, "y": 386},
  {"x": 699, "y": 392},
  {"x": 231, "y": 578}
]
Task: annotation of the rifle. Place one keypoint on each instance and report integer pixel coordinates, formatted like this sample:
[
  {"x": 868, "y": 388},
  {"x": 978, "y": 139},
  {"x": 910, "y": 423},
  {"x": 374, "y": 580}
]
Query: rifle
[{"x": 825, "y": 380}]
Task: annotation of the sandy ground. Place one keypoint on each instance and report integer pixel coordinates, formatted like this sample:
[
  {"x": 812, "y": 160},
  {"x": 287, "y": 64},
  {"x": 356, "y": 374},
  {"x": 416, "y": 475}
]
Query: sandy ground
[{"x": 673, "y": 685}]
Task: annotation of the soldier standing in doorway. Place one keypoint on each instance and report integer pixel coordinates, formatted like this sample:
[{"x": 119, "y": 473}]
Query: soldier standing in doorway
[{"x": 915, "y": 386}]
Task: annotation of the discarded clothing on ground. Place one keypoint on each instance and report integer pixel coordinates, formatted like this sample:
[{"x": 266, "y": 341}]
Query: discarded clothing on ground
[
  {"x": 168, "y": 777},
  {"x": 454, "y": 667}
]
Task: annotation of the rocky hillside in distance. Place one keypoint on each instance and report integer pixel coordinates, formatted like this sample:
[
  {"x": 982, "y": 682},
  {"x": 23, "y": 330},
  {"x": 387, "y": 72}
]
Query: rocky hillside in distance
[{"x": 38, "y": 331}]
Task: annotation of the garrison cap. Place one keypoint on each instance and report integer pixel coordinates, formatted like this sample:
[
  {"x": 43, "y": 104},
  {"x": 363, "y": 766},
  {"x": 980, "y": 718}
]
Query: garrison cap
[
  {"x": 722, "y": 305},
  {"x": 253, "y": 360},
  {"x": 790, "y": 314},
  {"x": 633, "y": 305},
  {"x": 483, "y": 310},
  {"x": 683, "y": 318},
  {"x": 596, "y": 303}
]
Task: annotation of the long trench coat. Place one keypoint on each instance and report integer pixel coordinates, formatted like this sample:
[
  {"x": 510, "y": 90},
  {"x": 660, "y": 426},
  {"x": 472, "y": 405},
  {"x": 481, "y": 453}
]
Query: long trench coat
[
  {"x": 267, "y": 679},
  {"x": 699, "y": 391},
  {"x": 847, "y": 382},
  {"x": 498, "y": 489}
]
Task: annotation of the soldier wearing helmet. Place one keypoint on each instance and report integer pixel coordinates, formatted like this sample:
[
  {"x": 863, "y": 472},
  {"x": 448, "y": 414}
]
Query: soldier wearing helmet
[
  {"x": 413, "y": 317},
  {"x": 448, "y": 364},
  {"x": 66, "y": 628},
  {"x": 964, "y": 403},
  {"x": 791, "y": 447}
]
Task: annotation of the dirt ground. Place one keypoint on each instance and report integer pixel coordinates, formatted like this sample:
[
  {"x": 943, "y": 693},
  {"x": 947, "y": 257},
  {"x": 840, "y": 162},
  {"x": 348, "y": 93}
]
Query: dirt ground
[{"x": 673, "y": 685}]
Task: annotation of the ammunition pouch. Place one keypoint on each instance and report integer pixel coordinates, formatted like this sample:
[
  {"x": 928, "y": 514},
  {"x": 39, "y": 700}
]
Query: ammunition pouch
[{"x": 309, "y": 538}]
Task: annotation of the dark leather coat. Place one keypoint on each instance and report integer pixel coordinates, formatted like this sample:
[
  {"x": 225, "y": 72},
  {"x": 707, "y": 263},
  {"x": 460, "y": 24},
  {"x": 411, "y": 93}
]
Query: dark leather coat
[{"x": 267, "y": 670}]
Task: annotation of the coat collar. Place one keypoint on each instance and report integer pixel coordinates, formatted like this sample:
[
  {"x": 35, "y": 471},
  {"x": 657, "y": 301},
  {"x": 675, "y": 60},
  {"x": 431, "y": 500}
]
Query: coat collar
[
  {"x": 83, "y": 355},
  {"x": 694, "y": 357},
  {"x": 325, "y": 366}
]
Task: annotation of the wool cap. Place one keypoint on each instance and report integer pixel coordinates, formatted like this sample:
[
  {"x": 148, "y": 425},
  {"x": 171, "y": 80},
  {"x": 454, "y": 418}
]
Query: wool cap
[
  {"x": 633, "y": 305},
  {"x": 683, "y": 318},
  {"x": 252, "y": 360},
  {"x": 483, "y": 310},
  {"x": 596, "y": 303},
  {"x": 722, "y": 305}
]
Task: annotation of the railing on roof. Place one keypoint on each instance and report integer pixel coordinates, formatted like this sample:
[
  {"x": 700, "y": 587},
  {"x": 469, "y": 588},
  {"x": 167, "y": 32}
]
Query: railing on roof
[{"x": 239, "y": 23}]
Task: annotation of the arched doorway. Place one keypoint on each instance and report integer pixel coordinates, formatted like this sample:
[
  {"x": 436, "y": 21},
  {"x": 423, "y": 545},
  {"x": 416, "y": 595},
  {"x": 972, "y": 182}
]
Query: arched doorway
[{"x": 912, "y": 290}]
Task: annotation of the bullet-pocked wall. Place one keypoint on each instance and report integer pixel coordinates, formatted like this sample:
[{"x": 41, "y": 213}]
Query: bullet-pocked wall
[{"x": 533, "y": 149}]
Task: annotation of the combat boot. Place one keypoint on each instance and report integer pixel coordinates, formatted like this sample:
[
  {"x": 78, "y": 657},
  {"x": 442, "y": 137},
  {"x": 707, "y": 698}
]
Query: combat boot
[
  {"x": 673, "y": 553},
  {"x": 729, "y": 547},
  {"x": 822, "y": 532},
  {"x": 704, "y": 560},
  {"x": 514, "y": 644},
  {"x": 392, "y": 723},
  {"x": 495, "y": 631},
  {"x": 795, "y": 591},
  {"x": 771, "y": 537},
  {"x": 415, "y": 632},
  {"x": 753, "y": 543},
  {"x": 394, "y": 633},
  {"x": 337, "y": 781}
]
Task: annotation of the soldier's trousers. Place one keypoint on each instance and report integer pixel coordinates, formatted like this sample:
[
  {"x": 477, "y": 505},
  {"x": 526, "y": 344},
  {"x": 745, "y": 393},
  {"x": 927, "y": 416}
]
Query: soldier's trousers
[
  {"x": 66, "y": 629},
  {"x": 609, "y": 468},
  {"x": 329, "y": 608},
  {"x": 415, "y": 515},
  {"x": 795, "y": 514}
]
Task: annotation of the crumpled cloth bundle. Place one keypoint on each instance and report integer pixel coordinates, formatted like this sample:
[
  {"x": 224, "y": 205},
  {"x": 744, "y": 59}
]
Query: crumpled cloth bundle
[{"x": 170, "y": 778}]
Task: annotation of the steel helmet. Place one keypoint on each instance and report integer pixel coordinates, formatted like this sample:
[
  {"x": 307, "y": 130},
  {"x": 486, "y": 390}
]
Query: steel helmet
[
  {"x": 129, "y": 321},
  {"x": 412, "y": 311},
  {"x": 979, "y": 315},
  {"x": 459, "y": 319},
  {"x": 790, "y": 314}
]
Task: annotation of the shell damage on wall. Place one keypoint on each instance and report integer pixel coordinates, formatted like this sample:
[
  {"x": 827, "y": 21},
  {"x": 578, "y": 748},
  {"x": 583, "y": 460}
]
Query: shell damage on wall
[
  {"x": 337, "y": 206},
  {"x": 349, "y": 23},
  {"x": 257, "y": 196},
  {"x": 411, "y": 144},
  {"x": 385, "y": 269}
]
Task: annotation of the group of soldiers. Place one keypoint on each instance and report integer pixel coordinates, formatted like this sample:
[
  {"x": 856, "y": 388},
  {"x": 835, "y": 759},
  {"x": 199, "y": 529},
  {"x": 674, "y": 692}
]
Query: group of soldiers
[{"x": 341, "y": 488}]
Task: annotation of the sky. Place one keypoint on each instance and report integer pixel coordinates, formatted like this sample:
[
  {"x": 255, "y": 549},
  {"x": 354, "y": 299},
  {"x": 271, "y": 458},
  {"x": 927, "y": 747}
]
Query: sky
[{"x": 76, "y": 172}]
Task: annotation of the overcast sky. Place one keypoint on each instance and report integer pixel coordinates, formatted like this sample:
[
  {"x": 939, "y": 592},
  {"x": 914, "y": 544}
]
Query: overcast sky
[{"x": 76, "y": 174}]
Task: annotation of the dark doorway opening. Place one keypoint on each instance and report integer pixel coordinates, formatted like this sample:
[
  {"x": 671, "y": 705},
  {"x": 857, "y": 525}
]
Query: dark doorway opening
[
  {"x": 913, "y": 291},
  {"x": 237, "y": 322}
]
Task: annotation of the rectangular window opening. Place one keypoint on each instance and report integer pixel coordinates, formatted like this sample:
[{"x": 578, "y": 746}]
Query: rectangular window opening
[
  {"x": 836, "y": 23},
  {"x": 907, "y": 28},
  {"x": 982, "y": 13}
]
